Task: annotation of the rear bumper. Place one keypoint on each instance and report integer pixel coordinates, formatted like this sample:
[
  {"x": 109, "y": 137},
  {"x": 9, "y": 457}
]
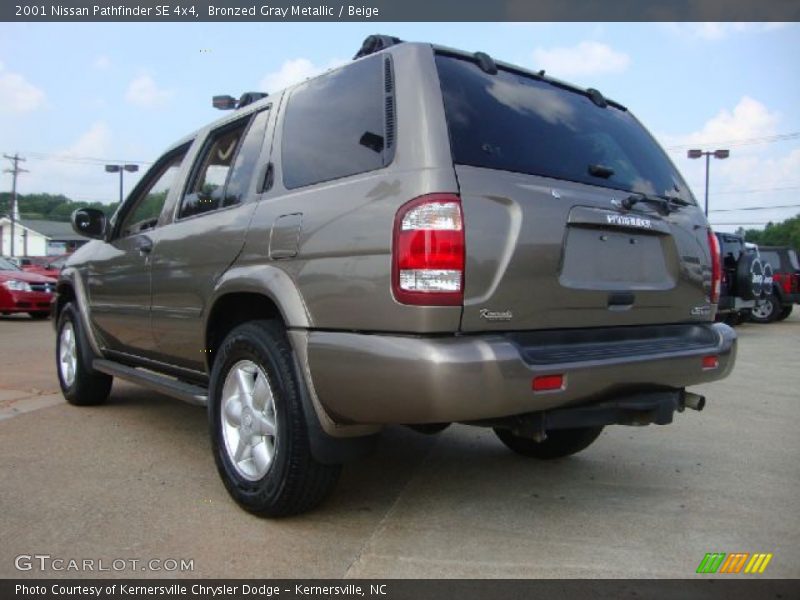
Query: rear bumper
[{"x": 392, "y": 379}]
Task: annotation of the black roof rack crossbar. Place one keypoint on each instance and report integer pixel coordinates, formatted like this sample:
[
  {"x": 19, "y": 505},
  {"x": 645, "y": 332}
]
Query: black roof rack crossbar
[
  {"x": 376, "y": 43},
  {"x": 250, "y": 97},
  {"x": 227, "y": 102}
]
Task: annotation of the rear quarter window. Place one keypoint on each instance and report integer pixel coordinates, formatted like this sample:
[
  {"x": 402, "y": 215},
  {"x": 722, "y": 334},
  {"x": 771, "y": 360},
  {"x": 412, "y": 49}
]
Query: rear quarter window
[{"x": 335, "y": 125}]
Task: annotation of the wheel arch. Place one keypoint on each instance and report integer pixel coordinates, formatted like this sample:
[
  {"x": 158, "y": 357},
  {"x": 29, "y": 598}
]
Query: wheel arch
[{"x": 232, "y": 309}]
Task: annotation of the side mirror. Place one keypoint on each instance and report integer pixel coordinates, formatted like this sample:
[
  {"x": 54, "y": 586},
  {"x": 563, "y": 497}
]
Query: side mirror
[{"x": 89, "y": 222}]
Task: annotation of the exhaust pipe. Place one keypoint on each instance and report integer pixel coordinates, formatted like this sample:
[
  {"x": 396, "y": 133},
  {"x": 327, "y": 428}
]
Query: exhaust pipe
[{"x": 694, "y": 401}]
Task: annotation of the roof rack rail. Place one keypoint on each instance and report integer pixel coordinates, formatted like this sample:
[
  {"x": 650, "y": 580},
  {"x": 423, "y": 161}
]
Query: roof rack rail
[
  {"x": 376, "y": 43},
  {"x": 250, "y": 97},
  {"x": 229, "y": 102}
]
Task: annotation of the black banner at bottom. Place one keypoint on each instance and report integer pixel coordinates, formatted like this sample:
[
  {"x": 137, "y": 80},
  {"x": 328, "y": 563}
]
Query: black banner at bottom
[{"x": 394, "y": 589}]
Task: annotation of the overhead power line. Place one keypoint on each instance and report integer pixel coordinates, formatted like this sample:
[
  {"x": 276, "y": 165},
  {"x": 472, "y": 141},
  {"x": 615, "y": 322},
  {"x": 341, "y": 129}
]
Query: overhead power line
[
  {"x": 758, "y": 190},
  {"x": 774, "y": 207},
  {"x": 69, "y": 158},
  {"x": 742, "y": 224},
  {"x": 767, "y": 139}
]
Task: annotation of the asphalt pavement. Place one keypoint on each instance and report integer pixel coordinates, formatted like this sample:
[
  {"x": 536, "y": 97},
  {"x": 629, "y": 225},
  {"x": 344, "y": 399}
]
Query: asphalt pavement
[{"x": 134, "y": 480}]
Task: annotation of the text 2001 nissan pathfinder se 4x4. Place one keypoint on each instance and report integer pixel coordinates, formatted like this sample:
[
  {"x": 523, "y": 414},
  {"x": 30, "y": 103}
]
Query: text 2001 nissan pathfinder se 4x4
[{"x": 420, "y": 237}]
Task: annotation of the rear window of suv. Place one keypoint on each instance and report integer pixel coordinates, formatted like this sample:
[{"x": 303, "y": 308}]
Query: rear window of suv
[{"x": 515, "y": 122}]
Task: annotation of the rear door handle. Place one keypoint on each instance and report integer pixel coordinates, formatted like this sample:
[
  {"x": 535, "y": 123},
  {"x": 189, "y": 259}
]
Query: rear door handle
[{"x": 144, "y": 245}]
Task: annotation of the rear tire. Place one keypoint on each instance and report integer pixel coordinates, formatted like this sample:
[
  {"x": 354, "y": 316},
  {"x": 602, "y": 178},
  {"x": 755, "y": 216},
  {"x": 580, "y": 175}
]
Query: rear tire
[
  {"x": 734, "y": 319},
  {"x": 80, "y": 384},
  {"x": 558, "y": 444},
  {"x": 767, "y": 311},
  {"x": 785, "y": 312},
  {"x": 259, "y": 433}
]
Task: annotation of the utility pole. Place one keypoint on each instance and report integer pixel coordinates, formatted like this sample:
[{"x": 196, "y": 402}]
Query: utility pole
[{"x": 16, "y": 159}]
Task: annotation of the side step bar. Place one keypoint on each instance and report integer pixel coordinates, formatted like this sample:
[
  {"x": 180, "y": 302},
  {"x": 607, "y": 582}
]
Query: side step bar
[{"x": 193, "y": 394}]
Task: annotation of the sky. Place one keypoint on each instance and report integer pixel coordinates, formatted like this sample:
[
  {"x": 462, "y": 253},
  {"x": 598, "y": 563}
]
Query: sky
[{"x": 75, "y": 96}]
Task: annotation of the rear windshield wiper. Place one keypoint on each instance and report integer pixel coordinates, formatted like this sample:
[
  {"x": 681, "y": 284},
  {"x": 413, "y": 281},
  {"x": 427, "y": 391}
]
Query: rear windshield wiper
[{"x": 665, "y": 204}]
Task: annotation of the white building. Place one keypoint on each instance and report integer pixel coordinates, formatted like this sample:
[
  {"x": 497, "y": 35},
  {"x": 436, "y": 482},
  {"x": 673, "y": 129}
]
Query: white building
[{"x": 38, "y": 238}]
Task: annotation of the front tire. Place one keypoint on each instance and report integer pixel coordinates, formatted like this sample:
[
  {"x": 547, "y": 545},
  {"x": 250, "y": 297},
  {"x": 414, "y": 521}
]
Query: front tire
[
  {"x": 558, "y": 444},
  {"x": 785, "y": 312},
  {"x": 39, "y": 315},
  {"x": 259, "y": 434},
  {"x": 80, "y": 384}
]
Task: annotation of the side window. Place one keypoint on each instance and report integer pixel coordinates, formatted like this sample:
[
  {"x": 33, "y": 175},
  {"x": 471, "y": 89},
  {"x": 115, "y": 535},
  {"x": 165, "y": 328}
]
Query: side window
[
  {"x": 149, "y": 203},
  {"x": 245, "y": 163},
  {"x": 335, "y": 125},
  {"x": 206, "y": 189},
  {"x": 772, "y": 258}
]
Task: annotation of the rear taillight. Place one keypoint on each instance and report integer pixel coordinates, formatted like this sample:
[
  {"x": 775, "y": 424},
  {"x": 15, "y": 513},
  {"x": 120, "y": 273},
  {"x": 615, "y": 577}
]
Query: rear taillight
[
  {"x": 428, "y": 251},
  {"x": 716, "y": 268}
]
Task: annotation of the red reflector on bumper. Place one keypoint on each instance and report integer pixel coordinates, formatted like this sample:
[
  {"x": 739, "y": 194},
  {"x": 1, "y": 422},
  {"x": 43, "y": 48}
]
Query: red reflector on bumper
[
  {"x": 710, "y": 362},
  {"x": 545, "y": 383}
]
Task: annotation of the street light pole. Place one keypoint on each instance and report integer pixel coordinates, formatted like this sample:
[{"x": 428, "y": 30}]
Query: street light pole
[
  {"x": 708, "y": 154},
  {"x": 120, "y": 169}
]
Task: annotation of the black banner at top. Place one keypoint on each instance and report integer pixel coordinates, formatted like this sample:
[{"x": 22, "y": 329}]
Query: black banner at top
[{"x": 397, "y": 10}]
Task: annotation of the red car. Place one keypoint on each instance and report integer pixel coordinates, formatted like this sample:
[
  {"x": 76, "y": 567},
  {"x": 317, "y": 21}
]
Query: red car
[
  {"x": 49, "y": 266},
  {"x": 25, "y": 292}
]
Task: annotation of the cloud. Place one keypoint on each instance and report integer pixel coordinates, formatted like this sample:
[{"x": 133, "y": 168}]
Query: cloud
[
  {"x": 754, "y": 175},
  {"x": 101, "y": 63},
  {"x": 587, "y": 58},
  {"x": 713, "y": 31},
  {"x": 70, "y": 171},
  {"x": 17, "y": 94},
  {"x": 96, "y": 141},
  {"x": 294, "y": 71},
  {"x": 145, "y": 93},
  {"x": 748, "y": 119}
]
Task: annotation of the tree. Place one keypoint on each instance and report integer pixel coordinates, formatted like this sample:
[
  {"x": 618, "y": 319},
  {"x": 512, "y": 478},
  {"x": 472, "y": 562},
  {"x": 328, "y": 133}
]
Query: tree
[
  {"x": 786, "y": 233},
  {"x": 49, "y": 207}
]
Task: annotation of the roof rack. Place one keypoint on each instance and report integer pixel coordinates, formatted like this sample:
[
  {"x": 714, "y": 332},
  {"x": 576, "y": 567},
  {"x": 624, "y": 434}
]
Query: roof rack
[
  {"x": 227, "y": 102},
  {"x": 376, "y": 43}
]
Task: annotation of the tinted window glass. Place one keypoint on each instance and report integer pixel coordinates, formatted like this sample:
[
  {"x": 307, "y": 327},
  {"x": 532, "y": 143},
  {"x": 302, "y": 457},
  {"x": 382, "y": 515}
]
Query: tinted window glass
[
  {"x": 514, "y": 122},
  {"x": 206, "y": 190},
  {"x": 150, "y": 202},
  {"x": 731, "y": 249},
  {"x": 334, "y": 125},
  {"x": 772, "y": 258},
  {"x": 246, "y": 159},
  {"x": 793, "y": 260}
]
